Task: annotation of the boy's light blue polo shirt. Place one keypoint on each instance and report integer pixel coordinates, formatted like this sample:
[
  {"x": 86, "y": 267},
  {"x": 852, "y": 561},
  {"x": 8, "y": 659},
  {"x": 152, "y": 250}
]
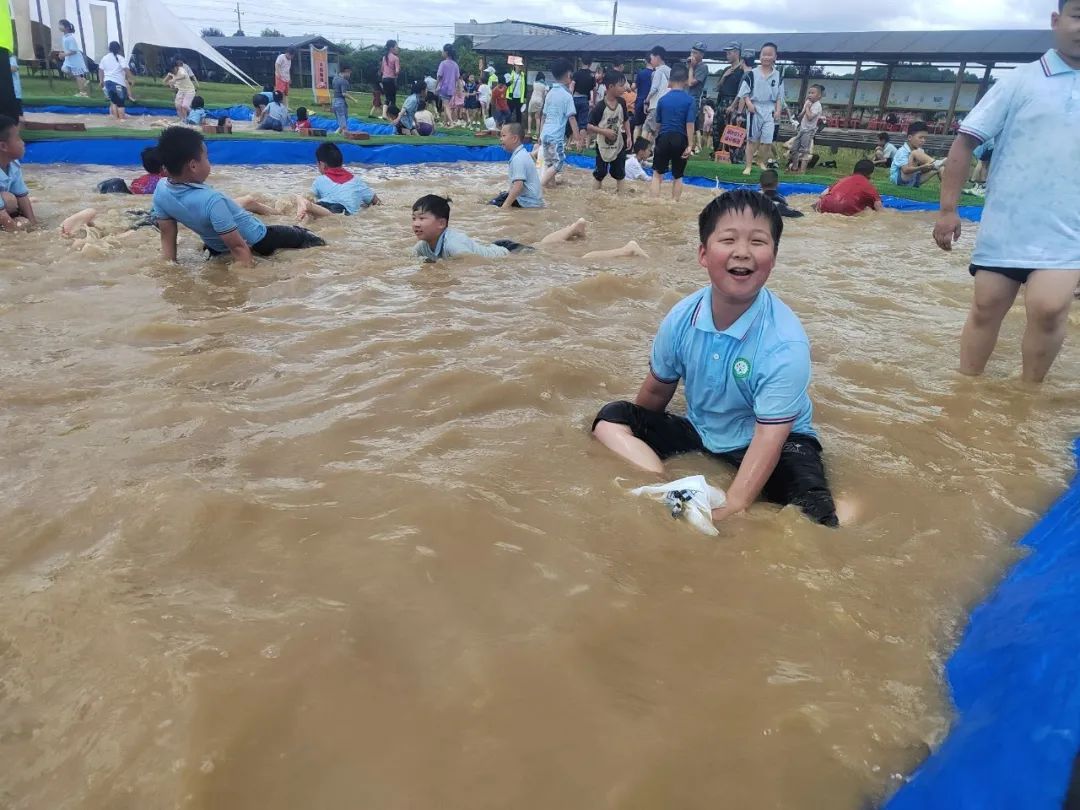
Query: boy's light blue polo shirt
[
  {"x": 453, "y": 243},
  {"x": 755, "y": 371},
  {"x": 206, "y": 211},
  {"x": 1033, "y": 115},
  {"x": 522, "y": 168},
  {"x": 900, "y": 159},
  {"x": 353, "y": 195},
  {"x": 558, "y": 110},
  {"x": 12, "y": 181}
]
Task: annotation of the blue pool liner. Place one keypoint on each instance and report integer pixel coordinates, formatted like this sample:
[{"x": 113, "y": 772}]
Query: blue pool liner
[
  {"x": 238, "y": 113},
  {"x": 1015, "y": 681},
  {"x": 247, "y": 152}
]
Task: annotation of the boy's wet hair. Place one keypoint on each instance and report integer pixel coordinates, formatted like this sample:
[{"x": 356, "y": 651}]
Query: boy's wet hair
[
  {"x": 151, "y": 160},
  {"x": 864, "y": 167},
  {"x": 438, "y": 207},
  {"x": 679, "y": 74},
  {"x": 301, "y": 114},
  {"x": 770, "y": 178},
  {"x": 641, "y": 145},
  {"x": 560, "y": 68},
  {"x": 915, "y": 127},
  {"x": 177, "y": 146},
  {"x": 6, "y": 125},
  {"x": 614, "y": 77},
  {"x": 734, "y": 202},
  {"x": 330, "y": 154},
  {"x": 198, "y": 102},
  {"x": 883, "y": 137},
  {"x": 517, "y": 130}
]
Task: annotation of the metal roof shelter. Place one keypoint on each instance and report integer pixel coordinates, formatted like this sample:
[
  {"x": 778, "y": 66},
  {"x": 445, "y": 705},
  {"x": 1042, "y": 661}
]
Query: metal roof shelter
[
  {"x": 889, "y": 48},
  {"x": 256, "y": 55}
]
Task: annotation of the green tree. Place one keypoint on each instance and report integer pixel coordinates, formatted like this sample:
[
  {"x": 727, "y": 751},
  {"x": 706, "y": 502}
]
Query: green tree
[
  {"x": 211, "y": 32},
  {"x": 270, "y": 32}
]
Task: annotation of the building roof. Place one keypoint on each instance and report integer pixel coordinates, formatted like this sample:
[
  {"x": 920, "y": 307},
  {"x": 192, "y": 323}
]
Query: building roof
[
  {"x": 573, "y": 31},
  {"x": 980, "y": 47},
  {"x": 261, "y": 43}
]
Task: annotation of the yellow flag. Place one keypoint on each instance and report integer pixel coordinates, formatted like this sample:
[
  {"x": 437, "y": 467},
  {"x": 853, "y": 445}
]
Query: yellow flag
[{"x": 7, "y": 40}]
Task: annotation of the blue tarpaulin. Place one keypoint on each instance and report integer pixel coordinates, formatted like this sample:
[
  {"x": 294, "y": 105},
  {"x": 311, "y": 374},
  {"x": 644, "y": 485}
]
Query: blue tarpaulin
[
  {"x": 1015, "y": 680},
  {"x": 238, "y": 113},
  {"x": 123, "y": 152},
  {"x": 330, "y": 125}
]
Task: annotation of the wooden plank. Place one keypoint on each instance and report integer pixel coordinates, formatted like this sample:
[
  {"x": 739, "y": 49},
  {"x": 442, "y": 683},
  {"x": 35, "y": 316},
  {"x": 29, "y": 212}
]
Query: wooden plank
[
  {"x": 854, "y": 90},
  {"x": 955, "y": 97},
  {"x": 886, "y": 90}
]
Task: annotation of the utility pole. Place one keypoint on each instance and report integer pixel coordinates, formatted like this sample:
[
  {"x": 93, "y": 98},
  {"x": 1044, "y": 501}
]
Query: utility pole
[
  {"x": 239, "y": 26},
  {"x": 614, "y": 17}
]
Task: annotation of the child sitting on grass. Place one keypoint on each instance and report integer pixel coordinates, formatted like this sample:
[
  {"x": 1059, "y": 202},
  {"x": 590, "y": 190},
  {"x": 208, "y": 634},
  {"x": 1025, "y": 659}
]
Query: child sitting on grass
[
  {"x": 276, "y": 117},
  {"x": 303, "y": 122},
  {"x": 770, "y": 183},
  {"x": 336, "y": 189},
  {"x": 911, "y": 165},
  {"x": 404, "y": 120},
  {"x": 197, "y": 114},
  {"x": 431, "y": 225},
  {"x": 16, "y": 212},
  {"x": 885, "y": 151},
  {"x": 852, "y": 195},
  {"x": 222, "y": 224}
]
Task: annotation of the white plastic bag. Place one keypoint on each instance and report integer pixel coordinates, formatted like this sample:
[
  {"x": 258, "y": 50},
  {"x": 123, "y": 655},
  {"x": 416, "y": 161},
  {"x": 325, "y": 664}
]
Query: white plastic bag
[
  {"x": 489, "y": 122},
  {"x": 693, "y": 498}
]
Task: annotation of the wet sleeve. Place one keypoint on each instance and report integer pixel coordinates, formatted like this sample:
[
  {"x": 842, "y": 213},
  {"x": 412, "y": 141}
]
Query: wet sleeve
[
  {"x": 222, "y": 219},
  {"x": 18, "y": 184},
  {"x": 665, "y": 362},
  {"x": 367, "y": 194},
  {"x": 988, "y": 118},
  {"x": 780, "y": 395}
]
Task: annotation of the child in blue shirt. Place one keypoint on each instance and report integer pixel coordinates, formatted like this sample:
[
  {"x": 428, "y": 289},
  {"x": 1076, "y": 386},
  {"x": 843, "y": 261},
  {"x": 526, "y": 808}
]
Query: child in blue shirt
[
  {"x": 197, "y": 114},
  {"x": 559, "y": 110},
  {"x": 16, "y": 213},
  {"x": 744, "y": 360},
  {"x": 404, "y": 121},
  {"x": 276, "y": 117},
  {"x": 336, "y": 189},
  {"x": 676, "y": 114},
  {"x": 222, "y": 224},
  {"x": 525, "y": 190}
]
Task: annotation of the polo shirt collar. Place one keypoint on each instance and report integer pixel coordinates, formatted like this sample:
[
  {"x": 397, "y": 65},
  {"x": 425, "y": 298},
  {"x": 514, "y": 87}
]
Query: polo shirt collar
[
  {"x": 703, "y": 320},
  {"x": 520, "y": 148},
  {"x": 1053, "y": 64},
  {"x": 439, "y": 245}
]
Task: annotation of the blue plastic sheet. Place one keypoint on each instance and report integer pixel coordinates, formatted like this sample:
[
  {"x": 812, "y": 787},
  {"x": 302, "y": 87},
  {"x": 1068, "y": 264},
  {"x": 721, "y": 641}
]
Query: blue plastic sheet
[
  {"x": 238, "y": 113},
  {"x": 355, "y": 125},
  {"x": 1016, "y": 684},
  {"x": 270, "y": 151}
]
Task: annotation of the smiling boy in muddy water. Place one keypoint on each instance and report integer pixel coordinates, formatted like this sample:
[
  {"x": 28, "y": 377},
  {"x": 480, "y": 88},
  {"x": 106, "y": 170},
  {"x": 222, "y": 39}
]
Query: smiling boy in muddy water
[
  {"x": 744, "y": 359},
  {"x": 16, "y": 212}
]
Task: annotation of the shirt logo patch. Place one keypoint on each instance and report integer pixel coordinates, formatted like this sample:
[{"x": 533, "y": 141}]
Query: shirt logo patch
[{"x": 741, "y": 368}]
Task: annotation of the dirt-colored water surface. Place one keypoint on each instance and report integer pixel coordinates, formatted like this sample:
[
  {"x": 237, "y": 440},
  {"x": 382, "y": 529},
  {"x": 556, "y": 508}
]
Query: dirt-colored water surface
[{"x": 332, "y": 533}]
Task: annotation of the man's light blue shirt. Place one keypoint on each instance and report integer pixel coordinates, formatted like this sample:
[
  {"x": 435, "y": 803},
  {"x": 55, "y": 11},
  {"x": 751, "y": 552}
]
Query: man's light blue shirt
[
  {"x": 757, "y": 371},
  {"x": 206, "y": 211},
  {"x": 1033, "y": 117},
  {"x": 522, "y": 168},
  {"x": 558, "y": 110},
  {"x": 353, "y": 195}
]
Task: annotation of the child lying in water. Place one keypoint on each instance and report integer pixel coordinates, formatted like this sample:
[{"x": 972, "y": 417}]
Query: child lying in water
[{"x": 431, "y": 225}]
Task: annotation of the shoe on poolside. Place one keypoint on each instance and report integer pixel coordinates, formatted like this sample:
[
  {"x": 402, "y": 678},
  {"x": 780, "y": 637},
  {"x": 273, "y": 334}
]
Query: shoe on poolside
[
  {"x": 939, "y": 163},
  {"x": 979, "y": 191}
]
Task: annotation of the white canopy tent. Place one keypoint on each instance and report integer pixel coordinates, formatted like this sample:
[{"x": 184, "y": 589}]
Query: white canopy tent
[{"x": 99, "y": 22}]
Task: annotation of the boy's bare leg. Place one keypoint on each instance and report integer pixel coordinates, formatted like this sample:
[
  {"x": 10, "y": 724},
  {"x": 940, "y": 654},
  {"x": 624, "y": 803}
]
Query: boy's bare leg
[
  {"x": 676, "y": 189},
  {"x": 628, "y": 250},
  {"x": 575, "y": 231},
  {"x": 72, "y": 225},
  {"x": 597, "y": 184},
  {"x": 306, "y": 208},
  {"x": 993, "y": 296},
  {"x": 621, "y": 441},
  {"x": 654, "y": 184},
  {"x": 1047, "y": 300},
  {"x": 9, "y": 206},
  {"x": 751, "y": 149},
  {"x": 619, "y": 186},
  {"x": 252, "y": 205}
]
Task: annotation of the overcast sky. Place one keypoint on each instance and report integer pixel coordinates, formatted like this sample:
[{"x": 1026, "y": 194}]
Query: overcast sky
[{"x": 431, "y": 22}]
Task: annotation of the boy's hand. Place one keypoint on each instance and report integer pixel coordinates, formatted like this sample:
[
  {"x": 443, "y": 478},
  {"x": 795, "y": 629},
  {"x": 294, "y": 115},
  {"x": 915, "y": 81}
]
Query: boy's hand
[
  {"x": 947, "y": 229},
  {"x": 608, "y": 133},
  {"x": 686, "y": 153}
]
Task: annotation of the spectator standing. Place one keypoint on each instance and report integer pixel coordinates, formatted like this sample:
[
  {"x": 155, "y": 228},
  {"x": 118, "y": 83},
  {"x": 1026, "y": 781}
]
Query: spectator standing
[
  {"x": 390, "y": 68},
  {"x": 283, "y": 73}
]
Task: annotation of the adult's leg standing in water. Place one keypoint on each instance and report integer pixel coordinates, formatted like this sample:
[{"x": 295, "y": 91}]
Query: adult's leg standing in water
[
  {"x": 1047, "y": 300},
  {"x": 993, "y": 296}
]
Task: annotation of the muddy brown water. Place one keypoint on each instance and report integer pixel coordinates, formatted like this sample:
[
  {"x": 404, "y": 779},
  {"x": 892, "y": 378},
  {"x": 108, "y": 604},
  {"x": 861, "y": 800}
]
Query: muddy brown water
[{"x": 331, "y": 532}]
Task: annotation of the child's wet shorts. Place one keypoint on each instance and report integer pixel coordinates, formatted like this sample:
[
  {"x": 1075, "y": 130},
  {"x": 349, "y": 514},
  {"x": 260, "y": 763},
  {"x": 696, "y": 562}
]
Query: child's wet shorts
[
  {"x": 498, "y": 201},
  {"x": 799, "y": 477},
  {"x": 335, "y": 208},
  {"x": 1015, "y": 273},
  {"x": 513, "y": 247},
  {"x": 279, "y": 237},
  {"x": 114, "y": 185},
  {"x": 669, "y": 151},
  {"x": 554, "y": 154}
]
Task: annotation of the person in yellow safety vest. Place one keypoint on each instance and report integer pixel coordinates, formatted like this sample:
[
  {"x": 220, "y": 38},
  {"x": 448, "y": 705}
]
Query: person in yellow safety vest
[
  {"x": 515, "y": 94},
  {"x": 492, "y": 77}
]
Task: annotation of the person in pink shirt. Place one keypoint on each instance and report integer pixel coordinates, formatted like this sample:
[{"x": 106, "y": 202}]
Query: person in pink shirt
[
  {"x": 390, "y": 69},
  {"x": 447, "y": 77}
]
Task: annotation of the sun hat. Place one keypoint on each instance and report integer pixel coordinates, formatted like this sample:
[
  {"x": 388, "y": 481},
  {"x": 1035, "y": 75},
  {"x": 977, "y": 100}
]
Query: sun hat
[
  {"x": 733, "y": 46},
  {"x": 699, "y": 47}
]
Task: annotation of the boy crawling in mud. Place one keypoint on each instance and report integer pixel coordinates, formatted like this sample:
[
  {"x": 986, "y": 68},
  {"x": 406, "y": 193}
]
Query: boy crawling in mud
[
  {"x": 431, "y": 225},
  {"x": 744, "y": 359}
]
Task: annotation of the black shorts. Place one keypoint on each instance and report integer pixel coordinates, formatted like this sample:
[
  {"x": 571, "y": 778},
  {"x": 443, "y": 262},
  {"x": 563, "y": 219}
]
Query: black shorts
[
  {"x": 389, "y": 91},
  {"x": 799, "y": 477},
  {"x": 512, "y": 246},
  {"x": 616, "y": 168},
  {"x": 279, "y": 237},
  {"x": 334, "y": 208},
  {"x": 1014, "y": 273},
  {"x": 502, "y": 198},
  {"x": 669, "y": 151}
]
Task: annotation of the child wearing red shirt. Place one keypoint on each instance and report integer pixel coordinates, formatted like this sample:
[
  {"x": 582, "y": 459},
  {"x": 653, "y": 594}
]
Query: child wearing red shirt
[
  {"x": 501, "y": 105},
  {"x": 851, "y": 195},
  {"x": 151, "y": 161}
]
